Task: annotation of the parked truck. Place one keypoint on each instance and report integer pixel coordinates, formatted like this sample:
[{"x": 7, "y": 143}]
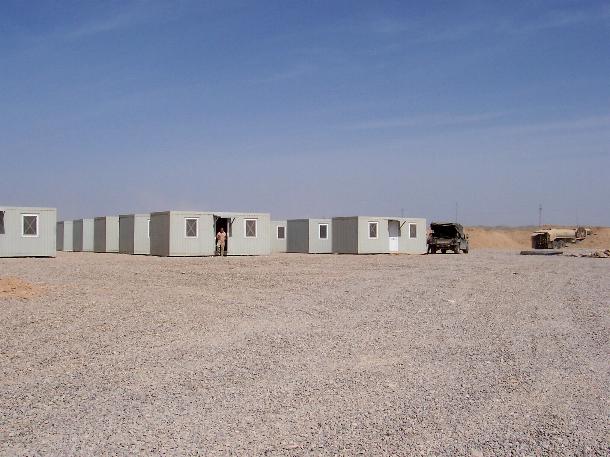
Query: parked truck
[
  {"x": 447, "y": 236},
  {"x": 557, "y": 238}
]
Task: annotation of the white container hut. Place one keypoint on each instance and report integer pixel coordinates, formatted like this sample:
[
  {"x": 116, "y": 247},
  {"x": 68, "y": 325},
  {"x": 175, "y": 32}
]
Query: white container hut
[
  {"x": 83, "y": 235},
  {"x": 278, "y": 236},
  {"x": 379, "y": 235},
  {"x": 65, "y": 236},
  {"x": 193, "y": 233},
  {"x": 313, "y": 236},
  {"x": 134, "y": 234},
  {"x": 106, "y": 234},
  {"x": 27, "y": 232}
]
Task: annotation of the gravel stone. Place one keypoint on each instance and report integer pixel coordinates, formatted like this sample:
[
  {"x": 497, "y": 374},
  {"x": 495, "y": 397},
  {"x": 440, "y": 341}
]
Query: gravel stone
[{"x": 490, "y": 353}]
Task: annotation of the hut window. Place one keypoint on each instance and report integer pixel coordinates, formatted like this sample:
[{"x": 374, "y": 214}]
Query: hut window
[
  {"x": 2, "y": 223},
  {"x": 190, "y": 225},
  {"x": 149, "y": 228},
  {"x": 30, "y": 224},
  {"x": 412, "y": 230},
  {"x": 323, "y": 231},
  {"x": 281, "y": 232},
  {"x": 250, "y": 228},
  {"x": 373, "y": 230}
]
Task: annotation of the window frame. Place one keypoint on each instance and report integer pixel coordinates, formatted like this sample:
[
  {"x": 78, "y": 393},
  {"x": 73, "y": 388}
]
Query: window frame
[
  {"x": 277, "y": 232},
  {"x": 376, "y": 223},
  {"x": 149, "y": 228},
  {"x": 320, "y": 225},
  {"x": 2, "y": 222},
  {"x": 23, "y": 216},
  {"x": 246, "y": 228},
  {"x": 412, "y": 224},
  {"x": 186, "y": 235}
]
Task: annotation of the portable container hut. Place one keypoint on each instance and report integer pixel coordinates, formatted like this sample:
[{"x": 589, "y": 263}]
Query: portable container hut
[
  {"x": 193, "y": 233},
  {"x": 278, "y": 236},
  {"x": 106, "y": 234},
  {"x": 134, "y": 234},
  {"x": 83, "y": 235},
  {"x": 65, "y": 236},
  {"x": 27, "y": 232},
  {"x": 379, "y": 235},
  {"x": 249, "y": 233},
  {"x": 313, "y": 236}
]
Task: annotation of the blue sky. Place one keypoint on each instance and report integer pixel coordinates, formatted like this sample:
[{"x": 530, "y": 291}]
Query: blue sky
[{"x": 314, "y": 108}]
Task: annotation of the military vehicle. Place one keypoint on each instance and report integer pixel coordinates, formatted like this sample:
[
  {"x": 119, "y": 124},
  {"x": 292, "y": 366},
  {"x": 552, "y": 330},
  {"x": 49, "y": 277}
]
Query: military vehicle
[
  {"x": 557, "y": 238},
  {"x": 447, "y": 236}
]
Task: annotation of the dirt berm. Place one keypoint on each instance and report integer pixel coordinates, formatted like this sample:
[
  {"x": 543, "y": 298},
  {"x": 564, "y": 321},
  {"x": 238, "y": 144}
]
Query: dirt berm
[{"x": 519, "y": 238}]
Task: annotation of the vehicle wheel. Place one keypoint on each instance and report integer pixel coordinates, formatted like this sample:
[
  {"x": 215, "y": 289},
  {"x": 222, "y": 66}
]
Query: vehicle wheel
[
  {"x": 465, "y": 251},
  {"x": 557, "y": 244},
  {"x": 444, "y": 251},
  {"x": 456, "y": 249}
]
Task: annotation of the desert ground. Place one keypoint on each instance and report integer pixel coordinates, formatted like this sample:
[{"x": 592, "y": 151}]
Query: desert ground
[
  {"x": 515, "y": 238},
  {"x": 489, "y": 353}
]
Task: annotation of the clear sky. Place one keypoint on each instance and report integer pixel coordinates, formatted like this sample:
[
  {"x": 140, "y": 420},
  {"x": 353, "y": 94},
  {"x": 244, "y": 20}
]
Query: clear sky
[{"x": 308, "y": 108}]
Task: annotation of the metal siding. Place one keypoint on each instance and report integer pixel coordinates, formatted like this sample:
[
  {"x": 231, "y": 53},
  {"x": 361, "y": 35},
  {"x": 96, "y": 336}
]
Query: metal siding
[
  {"x": 65, "y": 236},
  {"x": 345, "y": 235},
  {"x": 238, "y": 244},
  {"x": 60, "y": 236},
  {"x": 13, "y": 244},
  {"x": 83, "y": 235},
  {"x": 106, "y": 234},
  {"x": 133, "y": 234},
  {"x": 160, "y": 234},
  {"x": 413, "y": 245},
  {"x": 278, "y": 245},
  {"x": 297, "y": 238},
  {"x": 180, "y": 245},
  {"x": 380, "y": 245},
  {"x": 317, "y": 245},
  {"x": 99, "y": 234},
  {"x": 141, "y": 243},
  {"x": 112, "y": 234},
  {"x": 126, "y": 233}
]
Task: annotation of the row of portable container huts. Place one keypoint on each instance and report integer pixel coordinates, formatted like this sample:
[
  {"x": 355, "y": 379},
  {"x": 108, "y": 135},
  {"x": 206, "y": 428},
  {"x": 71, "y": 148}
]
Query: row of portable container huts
[
  {"x": 34, "y": 232},
  {"x": 356, "y": 235},
  {"x": 168, "y": 233}
]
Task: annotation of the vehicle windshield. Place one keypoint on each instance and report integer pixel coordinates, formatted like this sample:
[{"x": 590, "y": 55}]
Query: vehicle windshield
[{"x": 444, "y": 230}]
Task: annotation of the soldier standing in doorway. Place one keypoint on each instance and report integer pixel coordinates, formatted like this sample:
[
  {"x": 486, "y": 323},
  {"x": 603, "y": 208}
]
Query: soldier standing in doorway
[{"x": 221, "y": 241}]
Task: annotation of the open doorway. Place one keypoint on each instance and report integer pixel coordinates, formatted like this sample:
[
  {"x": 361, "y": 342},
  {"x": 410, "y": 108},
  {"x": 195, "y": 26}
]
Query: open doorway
[
  {"x": 225, "y": 224},
  {"x": 393, "y": 234}
]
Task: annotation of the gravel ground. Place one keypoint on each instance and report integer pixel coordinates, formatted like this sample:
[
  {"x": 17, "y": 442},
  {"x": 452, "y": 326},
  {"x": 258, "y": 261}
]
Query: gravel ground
[{"x": 489, "y": 353}]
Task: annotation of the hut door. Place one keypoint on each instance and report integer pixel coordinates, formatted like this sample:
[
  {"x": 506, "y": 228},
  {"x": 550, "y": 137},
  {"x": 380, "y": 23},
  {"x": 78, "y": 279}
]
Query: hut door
[
  {"x": 394, "y": 235},
  {"x": 222, "y": 222}
]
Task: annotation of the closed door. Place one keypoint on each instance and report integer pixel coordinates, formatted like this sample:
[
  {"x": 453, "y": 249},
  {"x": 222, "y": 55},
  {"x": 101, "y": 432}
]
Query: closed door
[{"x": 394, "y": 235}]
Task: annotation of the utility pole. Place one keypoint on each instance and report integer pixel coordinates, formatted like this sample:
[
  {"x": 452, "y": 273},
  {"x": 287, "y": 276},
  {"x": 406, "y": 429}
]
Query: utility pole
[{"x": 540, "y": 215}]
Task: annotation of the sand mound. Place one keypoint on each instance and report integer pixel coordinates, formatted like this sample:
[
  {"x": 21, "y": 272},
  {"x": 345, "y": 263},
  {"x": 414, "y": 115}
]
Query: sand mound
[
  {"x": 15, "y": 287},
  {"x": 499, "y": 238},
  {"x": 519, "y": 238}
]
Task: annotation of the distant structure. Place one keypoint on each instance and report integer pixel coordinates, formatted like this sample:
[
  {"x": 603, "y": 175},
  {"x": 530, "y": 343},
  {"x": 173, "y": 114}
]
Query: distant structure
[
  {"x": 378, "y": 235},
  {"x": 83, "y": 235},
  {"x": 193, "y": 233},
  {"x": 134, "y": 234},
  {"x": 278, "y": 236},
  {"x": 309, "y": 236},
  {"x": 27, "y": 232},
  {"x": 106, "y": 234},
  {"x": 65, "y": 236}
]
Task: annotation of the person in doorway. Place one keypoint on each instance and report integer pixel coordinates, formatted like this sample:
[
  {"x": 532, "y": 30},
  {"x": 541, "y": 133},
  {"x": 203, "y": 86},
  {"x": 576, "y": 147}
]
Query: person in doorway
[{"x": 221, "y": 241}]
